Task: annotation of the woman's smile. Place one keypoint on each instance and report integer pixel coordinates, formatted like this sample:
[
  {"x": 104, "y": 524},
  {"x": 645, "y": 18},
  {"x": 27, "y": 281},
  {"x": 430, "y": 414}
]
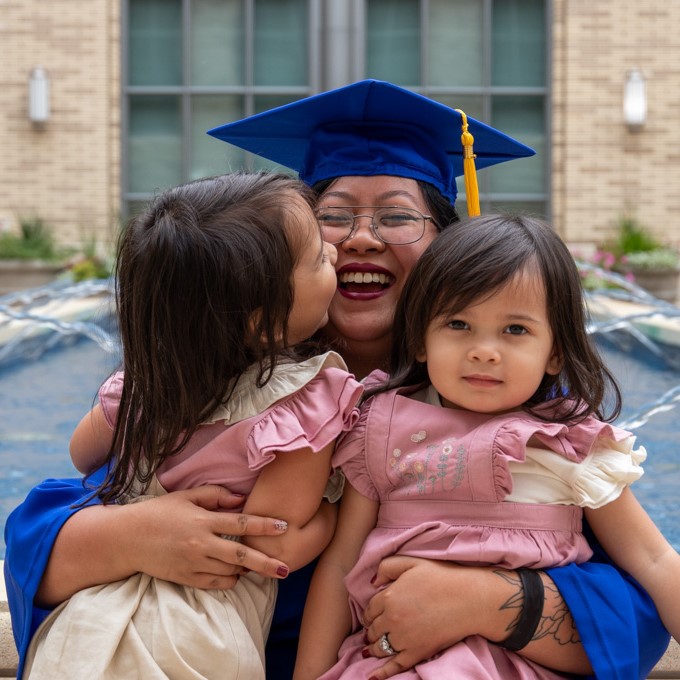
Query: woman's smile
[{"x": 363, "y": 281}]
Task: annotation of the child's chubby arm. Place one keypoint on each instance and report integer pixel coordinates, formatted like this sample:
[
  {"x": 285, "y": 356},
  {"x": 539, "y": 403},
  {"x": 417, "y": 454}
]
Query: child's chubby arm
[
  {"x": 632, "y": 540},
  {"x": 327, "y": 618},
  {"x": 91, "y": 441},
  {"x": 292, "y": 488}
]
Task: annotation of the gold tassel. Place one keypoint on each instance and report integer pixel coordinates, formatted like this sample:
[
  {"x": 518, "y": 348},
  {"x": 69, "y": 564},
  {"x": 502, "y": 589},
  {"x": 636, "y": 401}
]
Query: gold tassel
[{"x": 471, "y": 188}]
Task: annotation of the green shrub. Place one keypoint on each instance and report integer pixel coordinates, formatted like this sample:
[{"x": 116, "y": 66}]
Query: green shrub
[
  {"x": 34, "y": 242},
  {"x": 663, "y": 258}
]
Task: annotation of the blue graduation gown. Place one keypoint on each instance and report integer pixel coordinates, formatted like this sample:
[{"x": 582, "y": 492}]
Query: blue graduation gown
[{"x": 617, "y": 621}]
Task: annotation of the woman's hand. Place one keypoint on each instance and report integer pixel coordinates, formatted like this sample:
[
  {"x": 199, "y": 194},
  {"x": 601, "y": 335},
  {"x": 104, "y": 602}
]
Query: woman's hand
[
  {"x": 183, "y": 531},
  {"x": 422, "y": 610},
  {"x": 426, "y": 606},
  {"x": 176, "y": 537}
]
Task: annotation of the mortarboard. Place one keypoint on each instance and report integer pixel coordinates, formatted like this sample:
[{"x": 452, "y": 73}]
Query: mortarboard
[{"x": 373, "y": 128}]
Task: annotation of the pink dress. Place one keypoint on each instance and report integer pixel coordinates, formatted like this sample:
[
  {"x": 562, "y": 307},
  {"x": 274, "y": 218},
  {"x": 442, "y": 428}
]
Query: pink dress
[
  {"x": 303, "y": 405},
  {"x": 144, "y": 627},
  {"x": 442, "y": 478}
]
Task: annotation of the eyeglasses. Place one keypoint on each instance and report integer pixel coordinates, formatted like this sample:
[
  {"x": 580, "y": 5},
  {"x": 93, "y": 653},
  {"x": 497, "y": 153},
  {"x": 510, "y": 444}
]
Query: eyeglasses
[{"x": 392, "y": 225}]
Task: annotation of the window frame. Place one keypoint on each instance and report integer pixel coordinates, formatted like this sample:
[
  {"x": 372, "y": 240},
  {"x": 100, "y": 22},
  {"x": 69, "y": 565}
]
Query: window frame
[{"x": 327, "y": 68}]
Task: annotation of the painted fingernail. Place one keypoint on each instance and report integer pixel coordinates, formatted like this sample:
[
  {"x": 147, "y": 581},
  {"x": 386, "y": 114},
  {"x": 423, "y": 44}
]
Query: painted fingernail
[
  {"x": 282, "y": 571},
  {"x": 280, "y": 525},
  {"x": 365, "y": 653}
]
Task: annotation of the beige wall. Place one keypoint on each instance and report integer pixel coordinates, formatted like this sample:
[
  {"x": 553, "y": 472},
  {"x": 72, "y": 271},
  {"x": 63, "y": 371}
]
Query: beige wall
[
  {"x": 600, "y": 169},
  {"x": 68, "y": 172}
]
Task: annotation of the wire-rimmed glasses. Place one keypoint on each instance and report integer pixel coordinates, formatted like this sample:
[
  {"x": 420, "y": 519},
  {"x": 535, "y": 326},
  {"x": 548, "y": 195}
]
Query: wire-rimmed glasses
[{"x": 393, "y": 225}]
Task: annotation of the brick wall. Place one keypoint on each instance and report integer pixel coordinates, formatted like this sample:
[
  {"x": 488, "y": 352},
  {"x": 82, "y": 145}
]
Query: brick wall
[
  {"x": 600, "y": 169},
  {"x": 68, "y": 171}
]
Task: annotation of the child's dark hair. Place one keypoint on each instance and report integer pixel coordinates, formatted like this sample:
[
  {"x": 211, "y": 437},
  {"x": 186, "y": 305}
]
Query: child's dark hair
[
  {"x": 467, "y": 263},
  {"x": 203, "y": 291}
]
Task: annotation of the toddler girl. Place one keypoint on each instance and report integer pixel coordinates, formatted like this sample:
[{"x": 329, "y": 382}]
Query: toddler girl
[
  {"x": 489, "y": 436},
  {"x": 217, "y": 281}
]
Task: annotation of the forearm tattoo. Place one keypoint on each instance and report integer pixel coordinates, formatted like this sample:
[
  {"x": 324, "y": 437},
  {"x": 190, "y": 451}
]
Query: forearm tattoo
[{"x": 556, "y": 621}]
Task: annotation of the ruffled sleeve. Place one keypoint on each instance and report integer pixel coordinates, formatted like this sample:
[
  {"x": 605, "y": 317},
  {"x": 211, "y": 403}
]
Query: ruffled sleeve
[
  {"x": 350, "y": 455},
  {"x": 611, "y": 466},
  {"x": 312, "y": 417},
  {"x": 573, "y": 441},
  {"x": 588, "y": 466},
  {"x": 109, "y": 397}
]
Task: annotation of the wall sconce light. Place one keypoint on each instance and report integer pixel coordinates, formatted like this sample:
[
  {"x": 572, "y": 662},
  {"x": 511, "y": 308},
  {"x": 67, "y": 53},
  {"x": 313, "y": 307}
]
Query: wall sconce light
[
  {"x": 38, "y": 96},
  {"x": 635, "y": 100}
]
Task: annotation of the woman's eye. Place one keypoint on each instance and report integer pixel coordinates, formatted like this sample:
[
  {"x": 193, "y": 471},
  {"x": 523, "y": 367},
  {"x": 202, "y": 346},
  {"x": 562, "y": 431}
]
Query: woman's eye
[{"x": 516, "y": 329}]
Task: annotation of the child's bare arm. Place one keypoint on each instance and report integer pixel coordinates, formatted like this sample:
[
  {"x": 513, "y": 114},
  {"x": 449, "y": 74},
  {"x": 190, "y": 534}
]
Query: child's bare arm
[
  {"x": 91, "y": 441},
  {"x": 291, "y": 487},
  {"x": 633, "y": 541},
  {"x": 327, "y": 620}
]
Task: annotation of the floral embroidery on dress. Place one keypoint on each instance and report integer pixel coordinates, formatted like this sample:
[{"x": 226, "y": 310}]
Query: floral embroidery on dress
[{"x": 434, "y": 465}]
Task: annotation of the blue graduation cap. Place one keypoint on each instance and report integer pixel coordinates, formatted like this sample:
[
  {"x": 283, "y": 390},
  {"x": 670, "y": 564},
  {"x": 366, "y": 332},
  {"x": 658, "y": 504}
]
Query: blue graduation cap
[{"x": 374, "y": 128}]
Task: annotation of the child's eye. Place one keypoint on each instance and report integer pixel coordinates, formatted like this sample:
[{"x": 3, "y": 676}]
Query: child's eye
[
  {"x": 516, "y": 329},
  {"x": 457, "y": 325}
]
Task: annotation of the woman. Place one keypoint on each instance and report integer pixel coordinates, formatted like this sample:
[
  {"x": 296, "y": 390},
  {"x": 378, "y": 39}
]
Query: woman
[{"x": 366, "y": 146}]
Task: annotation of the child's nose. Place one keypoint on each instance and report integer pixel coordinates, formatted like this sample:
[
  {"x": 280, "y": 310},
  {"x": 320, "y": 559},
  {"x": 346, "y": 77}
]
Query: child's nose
[
  {"x": 484, "y": 352},
  {"x": 331, "y": 252}
]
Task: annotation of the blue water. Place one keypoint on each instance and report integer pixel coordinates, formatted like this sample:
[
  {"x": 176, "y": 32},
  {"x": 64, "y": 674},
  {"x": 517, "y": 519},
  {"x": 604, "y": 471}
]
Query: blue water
[{"x": 42, "y": 401}]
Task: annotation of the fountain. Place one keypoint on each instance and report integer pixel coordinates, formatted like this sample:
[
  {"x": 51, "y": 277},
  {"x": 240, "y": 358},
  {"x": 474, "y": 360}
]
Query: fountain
[{"x": 58, "y": 343}]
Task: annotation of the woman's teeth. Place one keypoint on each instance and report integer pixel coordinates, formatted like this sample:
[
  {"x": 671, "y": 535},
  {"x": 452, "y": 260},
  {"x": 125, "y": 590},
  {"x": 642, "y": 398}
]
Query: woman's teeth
[{"x": 364, "y": 277}]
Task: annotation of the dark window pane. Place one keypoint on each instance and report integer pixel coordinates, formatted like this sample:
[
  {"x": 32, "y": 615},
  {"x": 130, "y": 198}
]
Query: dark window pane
[
  {"x": 393, "y": 41},
  {"x": 212, "y": 156},
  {"x": 519, "y": 36},
  {"x": 280, "y": 42},
  {"x": 524, "y": 119},
  {"x": 155, "y": 56},
  {"x": 154, "y": 143},
  {"x": 455, "y": 47},
  {"x": 217, "y": 42}
]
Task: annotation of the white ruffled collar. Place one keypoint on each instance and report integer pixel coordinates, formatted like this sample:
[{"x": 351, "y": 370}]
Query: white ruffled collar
[{"x": 288, "y": 377}]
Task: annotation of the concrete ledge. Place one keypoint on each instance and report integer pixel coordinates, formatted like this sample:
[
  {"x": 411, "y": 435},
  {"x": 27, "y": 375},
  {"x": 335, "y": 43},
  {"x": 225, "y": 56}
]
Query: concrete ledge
[
  {"x": 668, "y": 667},
  {"x": 8, "y": 652}
]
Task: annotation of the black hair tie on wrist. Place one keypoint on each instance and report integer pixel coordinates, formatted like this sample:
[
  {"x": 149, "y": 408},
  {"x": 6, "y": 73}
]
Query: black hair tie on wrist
[{"x": 532, "y": 610}]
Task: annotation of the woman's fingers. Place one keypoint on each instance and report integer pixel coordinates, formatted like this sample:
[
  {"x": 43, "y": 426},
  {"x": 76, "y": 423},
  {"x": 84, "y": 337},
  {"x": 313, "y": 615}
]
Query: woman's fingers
[
  {"x": 415, "y": 631},
  {"x": 215, "y": 498},
  {"x": 395, "y": 664},
  {"x": 238, "y": 558},
  {"x": 187, "y": 545}
]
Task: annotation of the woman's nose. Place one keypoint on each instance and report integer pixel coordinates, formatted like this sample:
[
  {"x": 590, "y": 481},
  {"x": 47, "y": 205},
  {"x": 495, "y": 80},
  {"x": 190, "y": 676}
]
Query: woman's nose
[{"x": 363, "y": 238}]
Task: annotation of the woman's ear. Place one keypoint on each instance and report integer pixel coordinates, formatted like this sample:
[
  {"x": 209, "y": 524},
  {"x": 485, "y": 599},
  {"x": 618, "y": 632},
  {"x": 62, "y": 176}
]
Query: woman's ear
[{"x": 421, "y": 356}]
